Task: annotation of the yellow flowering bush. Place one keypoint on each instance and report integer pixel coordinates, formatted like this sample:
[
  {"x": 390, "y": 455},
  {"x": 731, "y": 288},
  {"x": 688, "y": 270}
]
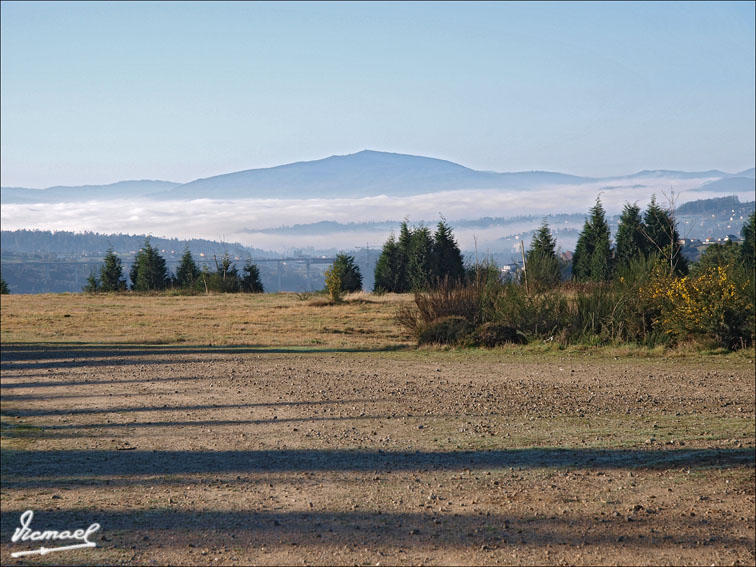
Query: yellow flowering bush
[{"x": 711, "y": 305}]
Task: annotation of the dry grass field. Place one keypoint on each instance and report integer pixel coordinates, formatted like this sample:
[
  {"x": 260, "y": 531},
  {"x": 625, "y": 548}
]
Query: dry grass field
[
  {"x": 286, "y": 319},
  {"x": 275, "y": 429}
]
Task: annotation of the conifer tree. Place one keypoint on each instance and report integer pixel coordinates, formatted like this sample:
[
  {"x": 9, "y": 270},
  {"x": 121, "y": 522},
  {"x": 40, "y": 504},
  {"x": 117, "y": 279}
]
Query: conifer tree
[
  {"x": 187, "y": 274},
  {"x": 420, "y": 266},
  {"x": 542, "y": 264},
  {"x": 111, "y": 273},
  {"x": 663, "y": 238},
  {"x": 748, "y": 232},
  {"x": 250, "y": 282},
  {"x": 581, "y": 258},
  {"x": 630, "y": 242},
  {"x": 446, "y": 255},
  {"x": 93, "y": 285},
  {"x": 149, "y": 272},
  {"x": 3, "y": 286},
  {"x": 345, "y": 270},
  {"x": 404, "y": 243},
  {"x": 388, "y": 269},
  {"x": 592, "y": 257}
]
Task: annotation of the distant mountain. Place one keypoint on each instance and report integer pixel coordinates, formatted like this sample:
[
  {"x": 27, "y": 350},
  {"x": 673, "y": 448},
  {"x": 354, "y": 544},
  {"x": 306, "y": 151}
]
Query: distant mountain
[
  {"x": 62, "y": 194},
  {"x": 747, "y": 173},
  {"x": 729, "y": 185},
  {"x": 366, "y": 173},
  {"x": 663, "y": 173}
]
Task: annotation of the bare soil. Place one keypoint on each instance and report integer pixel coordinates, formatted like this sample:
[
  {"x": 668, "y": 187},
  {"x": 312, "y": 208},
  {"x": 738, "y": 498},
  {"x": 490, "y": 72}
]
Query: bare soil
[{"x": 279, "y": 455}]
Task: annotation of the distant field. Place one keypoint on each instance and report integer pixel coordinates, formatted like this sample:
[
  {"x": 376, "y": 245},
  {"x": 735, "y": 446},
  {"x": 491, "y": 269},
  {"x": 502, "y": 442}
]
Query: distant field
[
  {"x": 271, "y": 429},
  {"x": 285, "y": 319}
]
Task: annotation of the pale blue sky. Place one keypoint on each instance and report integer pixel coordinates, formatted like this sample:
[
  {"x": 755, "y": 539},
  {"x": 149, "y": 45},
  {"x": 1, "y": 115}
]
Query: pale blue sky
[{"x": 100, "y": 92}]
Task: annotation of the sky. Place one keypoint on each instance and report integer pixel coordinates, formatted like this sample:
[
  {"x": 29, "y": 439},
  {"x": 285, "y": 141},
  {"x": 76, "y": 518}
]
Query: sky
[{"x": 97, "y": 92}]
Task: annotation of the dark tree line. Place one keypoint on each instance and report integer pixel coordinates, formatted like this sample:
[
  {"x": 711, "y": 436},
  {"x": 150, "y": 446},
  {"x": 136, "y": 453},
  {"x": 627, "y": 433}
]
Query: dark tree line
[
  {"x": 419, "y": 259},
  {"x": 150, "y": 273},
  {"x": 639, "y": 236}
]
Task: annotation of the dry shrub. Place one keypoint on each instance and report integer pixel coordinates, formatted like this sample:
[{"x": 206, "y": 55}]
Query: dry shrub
[
  {"x": 322, "y": 301},
  {"x": 446, "y": 331},
  {"x": 495, "y": 334},
  {"x": 447, "y": 300}
]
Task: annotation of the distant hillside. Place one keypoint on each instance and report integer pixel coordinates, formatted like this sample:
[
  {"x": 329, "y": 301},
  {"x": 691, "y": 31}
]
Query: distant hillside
[
  {"x": 363, "y": 174},
  {"x": 60, "y": 194},
  {"x": 709, "y": 206},
  {"x": 78, "y": 244},
  {"x": 729, "y": 185}
]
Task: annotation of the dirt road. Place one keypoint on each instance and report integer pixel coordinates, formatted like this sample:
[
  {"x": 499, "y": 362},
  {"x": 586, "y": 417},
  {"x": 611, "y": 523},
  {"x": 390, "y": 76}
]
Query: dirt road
[{"x": 219, "y": 456}]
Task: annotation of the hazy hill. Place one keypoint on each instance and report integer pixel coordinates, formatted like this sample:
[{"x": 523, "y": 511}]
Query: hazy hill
[
  {"x": 729, "y": 185},
  {"x": 366, "y": 173},
  {"x": 670, "y": 173},
  {"x": 709, "y": 206},
  {"x": 363, "y": 174},
  {"x": 68, "y": 194}
]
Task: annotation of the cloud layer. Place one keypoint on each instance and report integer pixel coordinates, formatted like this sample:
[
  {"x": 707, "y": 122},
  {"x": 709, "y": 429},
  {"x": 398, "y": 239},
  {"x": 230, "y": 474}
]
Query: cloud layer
[{"x": 246, "y": 220}]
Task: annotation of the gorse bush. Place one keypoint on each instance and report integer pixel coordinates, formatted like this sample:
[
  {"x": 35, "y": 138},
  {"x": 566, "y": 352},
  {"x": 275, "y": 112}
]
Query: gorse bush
[
  {"x": 712, "y": 307},
  {"x": 333, "y": 284}
]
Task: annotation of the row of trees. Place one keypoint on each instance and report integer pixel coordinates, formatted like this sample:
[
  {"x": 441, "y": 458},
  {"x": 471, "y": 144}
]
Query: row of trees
[
  {"x": 639, "y": 236},
  {"x": 150, "y": 273},
  {"x": 419, "y": 259}
]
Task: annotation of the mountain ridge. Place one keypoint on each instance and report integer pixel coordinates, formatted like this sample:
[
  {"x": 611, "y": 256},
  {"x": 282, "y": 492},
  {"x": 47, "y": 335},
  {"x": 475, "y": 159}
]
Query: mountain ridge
[{"x": 366, "y": 173}]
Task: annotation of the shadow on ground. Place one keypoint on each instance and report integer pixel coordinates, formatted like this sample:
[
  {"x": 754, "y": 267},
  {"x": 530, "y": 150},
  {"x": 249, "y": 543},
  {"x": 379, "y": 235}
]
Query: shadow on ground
[
  {"x": 374, "y": 529},
  {"x": 45, "y": 468}
]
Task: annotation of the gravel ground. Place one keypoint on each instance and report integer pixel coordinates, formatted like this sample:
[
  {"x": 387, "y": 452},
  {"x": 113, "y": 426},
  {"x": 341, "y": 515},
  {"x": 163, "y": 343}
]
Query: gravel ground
[{"x": 277, "y": 456}]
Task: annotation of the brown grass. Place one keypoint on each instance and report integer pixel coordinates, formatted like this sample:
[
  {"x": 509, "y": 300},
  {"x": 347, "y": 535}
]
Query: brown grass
[{"x": 360, "y": 321}]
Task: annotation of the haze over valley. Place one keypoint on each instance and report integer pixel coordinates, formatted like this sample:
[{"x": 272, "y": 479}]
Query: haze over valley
[{"x": 375, "y": 188}]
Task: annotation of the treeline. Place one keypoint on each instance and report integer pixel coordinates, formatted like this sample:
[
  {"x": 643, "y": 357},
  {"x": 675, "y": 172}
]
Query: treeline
[
  {"x": 418, "y": 259},
  {"x": 67, "y": 243},
  {"x": 150, "y": 273},
  {"x": 640, "y": 290}
]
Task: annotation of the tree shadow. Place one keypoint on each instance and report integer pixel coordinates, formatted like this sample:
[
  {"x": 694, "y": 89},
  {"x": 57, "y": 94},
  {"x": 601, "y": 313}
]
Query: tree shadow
[
  {"x": 38, "y": 468},
  {"x": 17, "y": 353},
  {"x": 168, "y": 409},
  {"x": 374, "y": 529}
]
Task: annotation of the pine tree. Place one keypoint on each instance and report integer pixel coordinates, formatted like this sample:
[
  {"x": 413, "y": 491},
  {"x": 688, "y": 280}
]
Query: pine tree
[
  {"x": 446, "y": 256},
  {"x": 388, "y": 269},
  {"x": 93, "y": 285},
  {"x": 250, "y": 282},
  {"x": 601, "y": 260},
  {"x": 663, "y": 238},
  {"x": 111, "y": 273},
  {"x": 592, "y": 257},
  {"x": 420, "y": 265},
  {"x": 187, "y": 274},
  {"x": 347, "y": 272},
  {"x": 226, "y": 278},
  {"x": 581, "y": 258},
  {"x": 630, "y": 242},
  {"x": 404, "y": 243},
  {"x": 542, "y": 264},
  {"x": 149, "y": 272},
  {"x": 3, "y": 287},
  {"x": 747, "y": 248}
]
